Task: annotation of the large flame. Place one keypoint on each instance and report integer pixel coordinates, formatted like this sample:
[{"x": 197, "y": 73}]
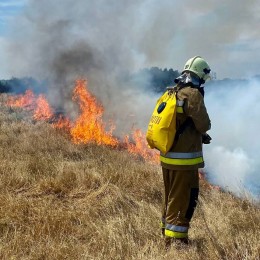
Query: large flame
[{"x": 88, "y": 126}]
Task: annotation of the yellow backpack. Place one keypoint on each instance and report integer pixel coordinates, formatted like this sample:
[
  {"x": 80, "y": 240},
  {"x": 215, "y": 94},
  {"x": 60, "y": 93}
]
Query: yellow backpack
[{"x": 162, "y": 126}]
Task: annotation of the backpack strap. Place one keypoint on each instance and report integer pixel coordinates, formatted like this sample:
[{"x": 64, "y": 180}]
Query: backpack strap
[
  {"x": 186, "y": 123},
  {"x": 183, "y": 126}
]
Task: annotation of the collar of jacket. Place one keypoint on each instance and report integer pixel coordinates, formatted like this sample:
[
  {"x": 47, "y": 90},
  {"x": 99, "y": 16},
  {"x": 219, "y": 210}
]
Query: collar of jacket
[{"x": 180, "y": 86}]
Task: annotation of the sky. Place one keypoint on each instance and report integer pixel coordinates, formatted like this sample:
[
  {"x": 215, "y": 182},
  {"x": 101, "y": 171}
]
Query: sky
[
  {"x": 225, "y": 33},
  {"x": 8, "y": 10}
]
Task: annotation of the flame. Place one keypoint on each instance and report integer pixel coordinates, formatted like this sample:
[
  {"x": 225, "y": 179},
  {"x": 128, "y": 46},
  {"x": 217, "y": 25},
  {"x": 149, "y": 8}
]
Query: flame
[
  {"x": 25, "y": 101},
  {"x": 139, "y": 146},
  {"x": 89, "y": 126},
  {"x": 29, "y": 101},
  {"x": 203, "y": 176},
  {"x": 42, "y": 110},
  {"x": 63, "y": 123}
]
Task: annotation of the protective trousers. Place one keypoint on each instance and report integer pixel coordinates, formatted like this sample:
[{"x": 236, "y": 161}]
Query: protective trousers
[{"x": 180, "y": 200}]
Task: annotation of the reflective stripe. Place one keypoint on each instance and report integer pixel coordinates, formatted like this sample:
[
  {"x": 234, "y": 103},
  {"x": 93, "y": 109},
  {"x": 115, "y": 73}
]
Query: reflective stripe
[
  {"x": 162, "y": 225},
  {"x": 180, "y": 110},
  {"x": 175, "y": 228},
  {"x": 174, "y": 234},
  {"x": 180, "y": 104},
  {"x": 182, "y": 155},
  {"x": 181, "y": 161}
]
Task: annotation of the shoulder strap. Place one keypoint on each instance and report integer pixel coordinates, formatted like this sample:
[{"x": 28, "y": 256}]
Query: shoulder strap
[{"x": 183, "y": 126}]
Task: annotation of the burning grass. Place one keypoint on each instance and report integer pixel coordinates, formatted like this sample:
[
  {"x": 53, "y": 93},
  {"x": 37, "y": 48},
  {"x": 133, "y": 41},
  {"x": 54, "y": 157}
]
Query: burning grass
[
  {"x": 61, "y": 200},
  {"x": 88, "y": 126}
]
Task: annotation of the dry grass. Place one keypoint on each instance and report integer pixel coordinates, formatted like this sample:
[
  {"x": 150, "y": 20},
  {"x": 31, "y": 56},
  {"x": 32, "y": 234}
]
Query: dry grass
[{"x": 64, "y": 201}]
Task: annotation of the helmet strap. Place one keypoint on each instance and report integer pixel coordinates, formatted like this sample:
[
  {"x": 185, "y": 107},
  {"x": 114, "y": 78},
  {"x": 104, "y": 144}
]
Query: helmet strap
[
  {"x": 201, "y": 90},
  {"x": 202, "y": 81}
]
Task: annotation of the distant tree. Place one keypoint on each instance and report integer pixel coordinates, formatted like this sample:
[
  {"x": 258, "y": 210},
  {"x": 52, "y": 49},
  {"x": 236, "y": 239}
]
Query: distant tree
[
  {"x": 156, "y": 79},
  {"x": 19, "y": 85},
  {"x": 4, "y": 86}
]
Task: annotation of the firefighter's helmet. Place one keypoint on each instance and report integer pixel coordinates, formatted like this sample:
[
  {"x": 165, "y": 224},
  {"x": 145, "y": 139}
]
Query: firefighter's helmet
[{"x": 198, "y": 66}]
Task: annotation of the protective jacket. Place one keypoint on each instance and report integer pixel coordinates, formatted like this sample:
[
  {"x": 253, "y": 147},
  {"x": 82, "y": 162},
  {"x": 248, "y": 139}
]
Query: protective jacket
[{"x": 186, "y": 151}]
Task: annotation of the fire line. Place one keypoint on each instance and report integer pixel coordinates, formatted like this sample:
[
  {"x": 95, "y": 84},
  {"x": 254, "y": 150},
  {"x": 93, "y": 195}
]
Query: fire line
[{"x": 88, "y": 126}]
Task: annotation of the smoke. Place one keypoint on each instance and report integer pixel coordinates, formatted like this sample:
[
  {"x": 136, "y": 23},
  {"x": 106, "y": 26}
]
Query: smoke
[
  {"x": 232, "y": 159},
  {"x": 106, "y": 40},
  {"x": 133, "y": 34},
  {"x": 64, "y": 40}
]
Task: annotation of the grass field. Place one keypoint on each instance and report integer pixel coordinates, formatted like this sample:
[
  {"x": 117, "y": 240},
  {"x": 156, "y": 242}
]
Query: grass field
[{"x": 59, "y": 200}]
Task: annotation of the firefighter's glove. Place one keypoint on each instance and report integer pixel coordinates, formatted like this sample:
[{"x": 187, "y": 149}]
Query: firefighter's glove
[{"x": 206, "y": 139}]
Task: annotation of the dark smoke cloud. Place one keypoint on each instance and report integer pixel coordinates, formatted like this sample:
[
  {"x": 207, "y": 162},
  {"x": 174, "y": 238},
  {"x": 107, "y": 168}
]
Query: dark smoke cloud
[
  {"x": 64, "y": 40},
  {"x": 132, "y": 34}
]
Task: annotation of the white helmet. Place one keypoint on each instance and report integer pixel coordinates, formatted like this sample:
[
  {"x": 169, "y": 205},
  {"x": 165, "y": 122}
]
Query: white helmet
[{"x": 198, "y": 66}]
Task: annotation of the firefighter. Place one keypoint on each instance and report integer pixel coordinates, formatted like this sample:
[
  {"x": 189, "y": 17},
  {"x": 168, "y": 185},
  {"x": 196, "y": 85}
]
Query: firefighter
[{"x": 180, "y": 165}]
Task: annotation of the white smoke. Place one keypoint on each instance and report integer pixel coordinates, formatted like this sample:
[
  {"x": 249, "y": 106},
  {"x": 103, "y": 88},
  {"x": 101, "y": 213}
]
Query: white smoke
[
  {"x": 102, "y": 39},
  {"x": 133, "y": 34},
  {"x": 232, "y": 159}
]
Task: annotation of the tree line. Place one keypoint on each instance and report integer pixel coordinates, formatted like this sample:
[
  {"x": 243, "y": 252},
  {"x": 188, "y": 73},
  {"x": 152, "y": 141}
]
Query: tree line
[{"x": 153, "y": 79}]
